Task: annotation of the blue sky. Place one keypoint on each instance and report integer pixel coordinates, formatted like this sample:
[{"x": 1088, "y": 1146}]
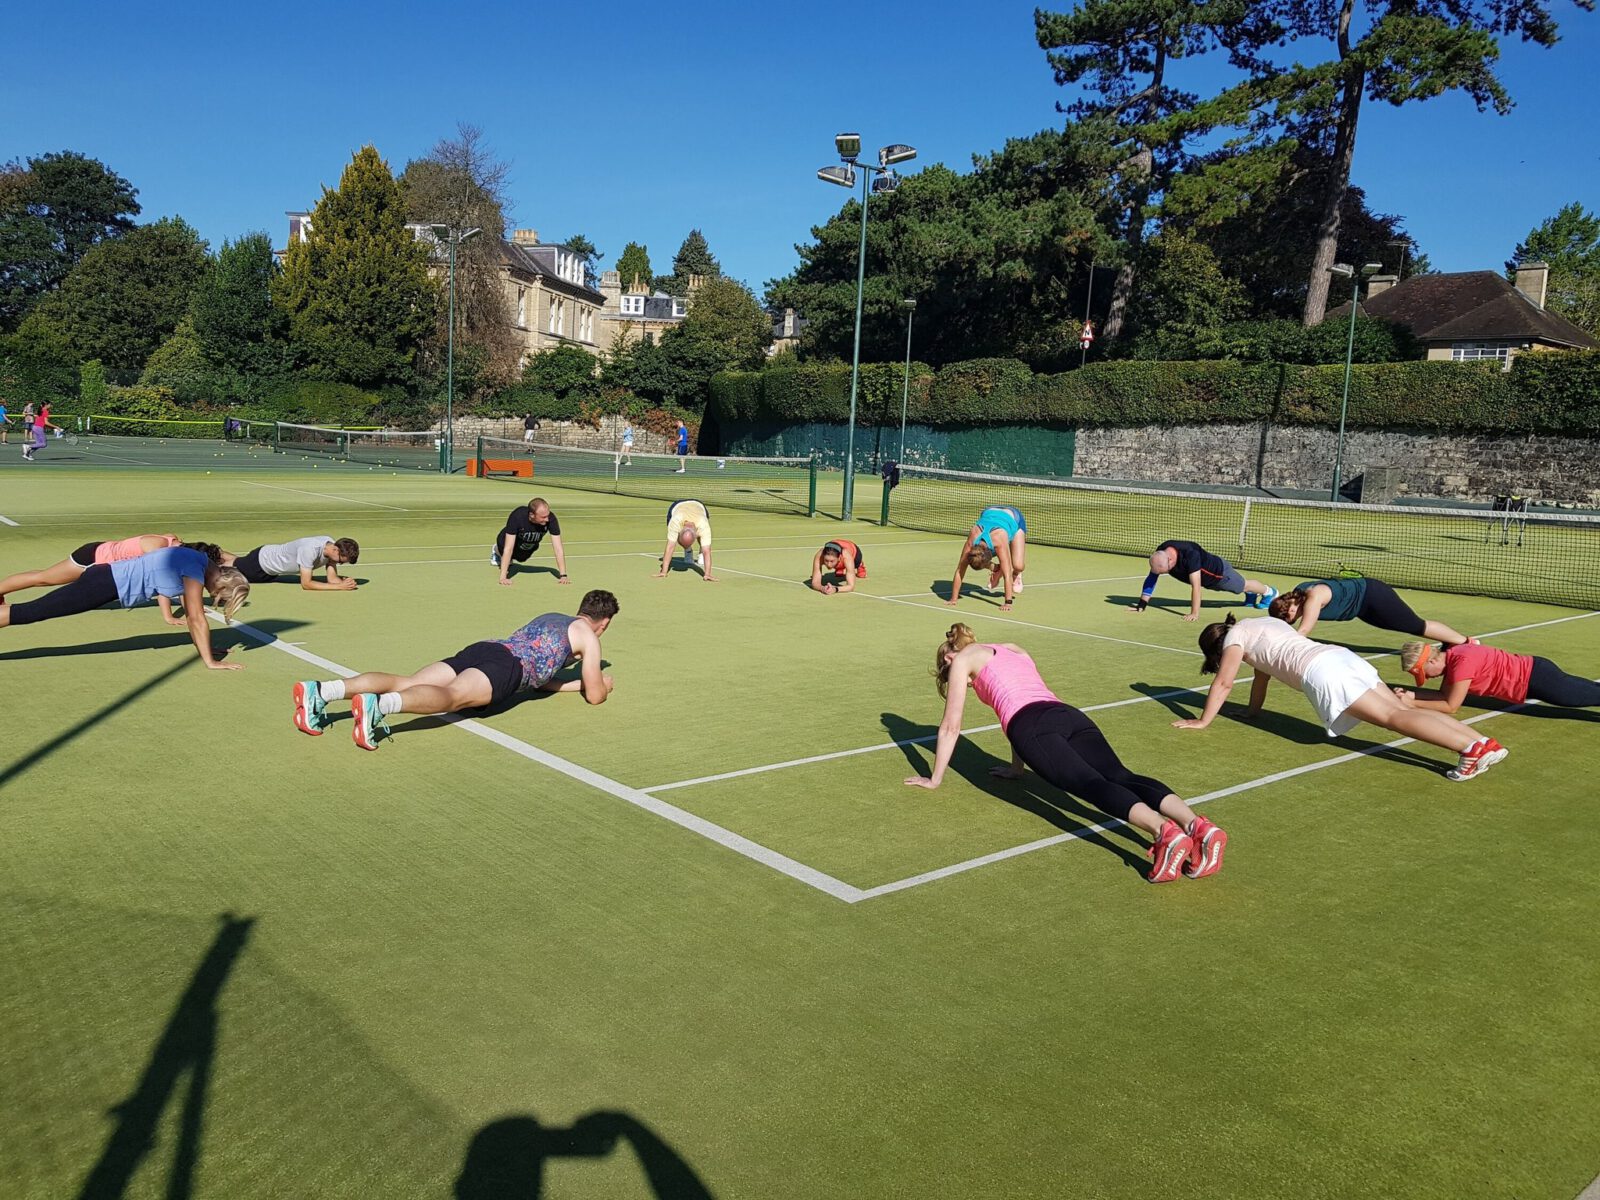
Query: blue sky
[{"x": 640, "y": 121}]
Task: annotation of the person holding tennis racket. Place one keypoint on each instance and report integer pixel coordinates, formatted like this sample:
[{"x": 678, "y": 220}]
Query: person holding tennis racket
[
  {"x": 1360, "y": 598},
  {"x": 1472, "y": 669},
  {"x": 1067, "y": 750},
  {"x": 998, "y": 540}
]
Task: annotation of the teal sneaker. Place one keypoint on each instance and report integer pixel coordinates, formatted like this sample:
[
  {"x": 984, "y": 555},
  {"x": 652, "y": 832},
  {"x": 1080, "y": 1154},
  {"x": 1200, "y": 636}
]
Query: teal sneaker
[
  {"x": 370, "y": 725},
  {"x": 1265, "y": 599},
  {"x": 310, "y": 714}
]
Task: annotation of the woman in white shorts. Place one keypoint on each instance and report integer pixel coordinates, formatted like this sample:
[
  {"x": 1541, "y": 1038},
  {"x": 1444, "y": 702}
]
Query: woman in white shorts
[{"x": 1343, "y": 688}]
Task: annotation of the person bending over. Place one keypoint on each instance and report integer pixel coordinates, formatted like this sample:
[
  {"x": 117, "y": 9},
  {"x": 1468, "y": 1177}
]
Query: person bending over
[
  {"x": 268, "y": 564},
  {"x": 526, "y": 526},
  {"x": 481, "y": 674},
  {"x": 181, "y": 573},
  {"x": 842, "y": 558},
  {"x": 688, "y": 523},
  {"x": 1477, "y": 670},
  {"x": 1360, "y": 599},
  {"x": 1192, "y": 561},
  {"x": 1067, "y": 750},
  {"x": 999, "y": 537},
  {"x": 1343, "y": 688}
]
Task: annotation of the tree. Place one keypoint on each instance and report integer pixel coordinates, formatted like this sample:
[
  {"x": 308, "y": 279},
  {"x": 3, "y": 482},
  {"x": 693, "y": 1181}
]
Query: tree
[
  {"x": 1569, "y": 243},
  {"x": 562, "y": 371},
  {"x": 356, "y": 293},
  {"x": 53, "y": 210},
  {"x": 234, "y": 322},
  {"x": 693, "y": 260},
  {"x": 36, "y": 364},
  {"x": 180, "y": 365},
  {"x": 126, "y": 294},
  {"x": 726, "y": 329},
  {"x": 1183, "y": 291},
  {"x": 634, "y": 267}
]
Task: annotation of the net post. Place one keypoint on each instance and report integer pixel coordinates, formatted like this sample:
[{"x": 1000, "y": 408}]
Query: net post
[
  {"x": 482, "y": 458},
  {"x": 277, "y": 437},
  {"x": 883, "y": 517},
  {"x": 1244, "y": 524},
  {"x": 811, "y": 502},
  {"x": 342, "y": 446}
]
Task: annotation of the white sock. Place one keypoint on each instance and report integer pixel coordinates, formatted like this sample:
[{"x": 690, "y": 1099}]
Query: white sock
[
  {"x": 332, "y": 690},
  {"x": 389, "y": 703}
]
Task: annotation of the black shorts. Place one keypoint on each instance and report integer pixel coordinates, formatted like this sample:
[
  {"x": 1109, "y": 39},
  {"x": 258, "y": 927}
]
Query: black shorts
[
  {"x": 83, "y": 556},
  {"x": 520, "y": 551},
  {"x": 249, "y": 565},
  {"x": 496, "y": 661}
]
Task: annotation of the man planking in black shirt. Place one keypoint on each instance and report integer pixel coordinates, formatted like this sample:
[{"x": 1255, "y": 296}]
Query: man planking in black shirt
[{"x": 524, "y": 529}]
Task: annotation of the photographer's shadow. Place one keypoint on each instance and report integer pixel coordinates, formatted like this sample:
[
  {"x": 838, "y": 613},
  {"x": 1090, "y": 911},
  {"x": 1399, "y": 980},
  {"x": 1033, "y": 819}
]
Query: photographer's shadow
[{"x": 506, "y": 1159}]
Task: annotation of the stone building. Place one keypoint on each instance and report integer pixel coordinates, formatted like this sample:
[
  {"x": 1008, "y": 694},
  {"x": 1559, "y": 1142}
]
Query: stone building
[{"x": 634, "y": 313}]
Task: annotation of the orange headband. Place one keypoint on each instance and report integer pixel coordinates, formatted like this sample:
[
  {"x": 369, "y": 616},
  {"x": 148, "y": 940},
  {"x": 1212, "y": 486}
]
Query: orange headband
[{"x": 1419, "y": 668}]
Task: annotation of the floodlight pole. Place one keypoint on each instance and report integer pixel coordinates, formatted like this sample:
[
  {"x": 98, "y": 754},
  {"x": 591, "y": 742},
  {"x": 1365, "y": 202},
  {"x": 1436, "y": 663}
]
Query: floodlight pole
[
  {"x": 1344, "y": 400},
  {"x": 847, "y": 509},
  {"x": 447, "y": 464},
  {"x": 905, "y": 380}
]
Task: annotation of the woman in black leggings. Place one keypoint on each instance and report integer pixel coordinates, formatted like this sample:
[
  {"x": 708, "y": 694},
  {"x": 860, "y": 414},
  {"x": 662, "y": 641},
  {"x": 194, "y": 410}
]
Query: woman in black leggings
[
  {"x": 1475, "y": 670},
  {"x": 1066, "y": 749},
  {"x": 1360, "y": 599}
]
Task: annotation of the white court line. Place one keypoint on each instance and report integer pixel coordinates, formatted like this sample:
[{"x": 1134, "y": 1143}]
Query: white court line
[
  {"x": 119, "y": 457},
  {"x": 10, "y": 522},
  {"x": 484, "y": 558},
  {"x": 739, "y": 844},
  {"x": 1592, "y": 1192},
  {"x": 1035, "y": 586},
  {"x": 323, "y": 495}
]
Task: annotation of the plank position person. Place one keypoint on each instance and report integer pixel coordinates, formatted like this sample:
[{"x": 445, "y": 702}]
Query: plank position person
[
  {"x": 86, "y": 556},
  {"x": 181, "y": 573},
  {"x": 268, "y": 564},
  {"x": 839, "y": 557},
  {"x": 525, "y": 527},
  {"x": 1342, "y": 687},
  {"x": 999, "y": 536},
  {"x": 688, "y": 523},
  {"x": 1067, "y": 750},
  {"x": 1192, "y": 561},
  {"x": 1361, "y": 599},
  {"x": 1476, "y": 670},
  {"x": 483, "y": 673}
]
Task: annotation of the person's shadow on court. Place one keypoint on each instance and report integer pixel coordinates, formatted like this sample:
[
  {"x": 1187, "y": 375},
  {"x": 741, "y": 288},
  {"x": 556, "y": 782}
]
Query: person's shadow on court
[{"x": 506, "y": 1158}]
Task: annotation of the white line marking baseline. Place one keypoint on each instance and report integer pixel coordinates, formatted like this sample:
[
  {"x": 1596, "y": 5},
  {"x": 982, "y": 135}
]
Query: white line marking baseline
[
  {"x": 10, "y": 522},
  {"x": 323, "y": 495}
]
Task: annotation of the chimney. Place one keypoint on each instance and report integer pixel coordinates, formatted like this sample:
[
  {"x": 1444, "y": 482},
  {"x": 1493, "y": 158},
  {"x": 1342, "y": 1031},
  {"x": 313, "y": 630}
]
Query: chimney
[
  {"x": 1532, "y": 279},
  {"x": 611, "y": 289},
  {"x": 1379, "y": 284},
  {"x": 525, "y": 237}
]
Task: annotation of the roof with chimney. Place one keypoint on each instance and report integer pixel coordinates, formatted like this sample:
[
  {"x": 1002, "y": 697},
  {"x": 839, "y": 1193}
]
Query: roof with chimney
[
  {"x": 540, "y": 259},
  {"x": 1469, "y": 306}
]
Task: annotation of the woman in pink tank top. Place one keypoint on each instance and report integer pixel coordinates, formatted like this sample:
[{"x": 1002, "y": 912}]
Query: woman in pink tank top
[
  {"x": 93, "y": 553},
  {"x": 1067, "y": 750}
]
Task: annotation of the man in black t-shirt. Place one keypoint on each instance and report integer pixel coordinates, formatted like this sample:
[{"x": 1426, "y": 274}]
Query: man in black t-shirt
[
  {"x": 1193, "y": 562},
  {"x": 524, "y": 529}
]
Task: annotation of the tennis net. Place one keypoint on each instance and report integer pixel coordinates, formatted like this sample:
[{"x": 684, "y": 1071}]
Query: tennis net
[
  {"x": 422, "y": 451},
  {"x": 787, "y": 485},
  {"x": 1510, "y": 552}
]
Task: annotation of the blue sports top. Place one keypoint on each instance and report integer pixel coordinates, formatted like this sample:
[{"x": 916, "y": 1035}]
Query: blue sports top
[
  {"x": 159, "y": 573},
  {"x": 683, "y": 438},
  {"x": 542, "y": 647},
  {"x": 1348, "y": 597},
  {"x": 1007, "y": 519}
]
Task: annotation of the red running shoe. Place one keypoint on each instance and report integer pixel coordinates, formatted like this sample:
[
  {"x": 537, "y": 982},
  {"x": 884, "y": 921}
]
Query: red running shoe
[
  {"x": 1171, "y": 850},
  {"x": 1209, "y": 843},
  {"x": 1476, "y": 759}
]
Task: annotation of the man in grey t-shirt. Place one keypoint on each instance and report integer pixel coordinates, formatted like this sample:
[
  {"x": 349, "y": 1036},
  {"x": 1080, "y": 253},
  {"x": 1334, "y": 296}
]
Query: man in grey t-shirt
[{"x": 268, "y": 564}]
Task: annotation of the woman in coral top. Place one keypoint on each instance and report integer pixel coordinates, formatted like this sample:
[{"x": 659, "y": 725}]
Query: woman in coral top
[
  {"x": 1474, "y": 670},
  {"x": 1067, "y": 750},
  {"x": 88, "y": 555}
]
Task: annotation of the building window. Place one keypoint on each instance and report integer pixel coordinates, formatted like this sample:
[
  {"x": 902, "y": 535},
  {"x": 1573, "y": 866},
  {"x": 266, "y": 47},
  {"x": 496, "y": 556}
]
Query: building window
[
  {"x": 555, "y": 316},
  {"x": 1480, "y": 352},
  {"x": 522, "y": 308},
  {"x": 633, "y": 306},
  {"x": 679, "y": 308}
]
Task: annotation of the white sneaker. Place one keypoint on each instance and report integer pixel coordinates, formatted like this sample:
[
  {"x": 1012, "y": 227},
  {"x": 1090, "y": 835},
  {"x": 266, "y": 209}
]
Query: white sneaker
[
  {"x": 1016, "y": 586},
  {"x": 494, "y": 558}
]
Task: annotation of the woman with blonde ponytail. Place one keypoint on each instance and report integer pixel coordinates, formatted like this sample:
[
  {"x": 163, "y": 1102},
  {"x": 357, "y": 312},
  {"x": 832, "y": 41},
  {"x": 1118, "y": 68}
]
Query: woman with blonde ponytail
[{"x": 1067, "y": 750}]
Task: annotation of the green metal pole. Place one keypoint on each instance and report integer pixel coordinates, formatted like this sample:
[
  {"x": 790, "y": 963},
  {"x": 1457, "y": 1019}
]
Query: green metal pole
[
  {"x": 811, "y": 504},
  {"x": 847, "y": 510},
  {"x": 450, "y": 370},
  {"x": 1344, "y": 402},
  {"x": 905, "y": 383}
]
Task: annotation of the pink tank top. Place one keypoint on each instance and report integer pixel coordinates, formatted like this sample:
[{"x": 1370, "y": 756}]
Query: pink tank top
[
  {"x": 1009, "y": 682},
  {"x": 110, "y": 552}
]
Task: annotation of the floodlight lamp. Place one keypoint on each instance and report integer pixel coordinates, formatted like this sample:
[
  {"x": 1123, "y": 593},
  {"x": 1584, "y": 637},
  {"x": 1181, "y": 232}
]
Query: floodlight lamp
[
  {"x": 897, "y": 153},
  {"x": 1370, "y": 269},
  {"x": 1342, "y": 270},
  {"x": 886, "y": 182},
  {"x": 467, "y": 234},
  {"x": 441, "y": 232},
  {"x": 843, "y": 176},
  {"x": 908, "y": 304},
  {"x": 848, "y": 145}
]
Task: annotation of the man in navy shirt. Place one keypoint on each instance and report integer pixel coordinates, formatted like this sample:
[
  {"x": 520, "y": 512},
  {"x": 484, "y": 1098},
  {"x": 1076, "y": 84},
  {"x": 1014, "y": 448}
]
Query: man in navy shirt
[{"x": 1192, "y": 561}]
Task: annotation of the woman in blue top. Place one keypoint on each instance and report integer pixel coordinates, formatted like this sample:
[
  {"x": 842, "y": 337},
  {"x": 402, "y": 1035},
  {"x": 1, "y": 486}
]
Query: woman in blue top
[
  {"x": 484, "y": 673},
  {"x": 999, "y": 536},
  {"x": 181, "y": 573},
  {"x": 1360, "y": 599}
]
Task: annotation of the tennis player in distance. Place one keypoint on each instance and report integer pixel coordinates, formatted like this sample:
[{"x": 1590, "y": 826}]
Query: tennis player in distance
[
  {"x": 1477, "y": 670},
  {"x": 688, "y": 523},
  {"x": 1192, "y": 561},
  {"x": 1360, "y": 599},
  {"x": 842, "y": 558},
  {"x": 482, "y": 674},
  {"x": 1067, "y": 750},
  {"x": 1343, "y": 688},
  {"x": 998, "y": 541}
]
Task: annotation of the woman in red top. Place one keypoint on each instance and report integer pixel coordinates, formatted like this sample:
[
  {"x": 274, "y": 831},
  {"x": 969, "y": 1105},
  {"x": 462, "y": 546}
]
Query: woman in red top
[
  {"x": 842, "y": 558},
  {"x": 1474, "y": 670}
]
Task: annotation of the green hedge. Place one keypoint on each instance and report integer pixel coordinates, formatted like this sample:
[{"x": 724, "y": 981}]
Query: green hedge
[{"x": 1544, "y": 392}]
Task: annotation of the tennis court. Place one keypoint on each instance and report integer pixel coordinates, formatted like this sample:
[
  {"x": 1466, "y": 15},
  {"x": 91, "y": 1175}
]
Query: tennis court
[{"x": 708, "y": 919}]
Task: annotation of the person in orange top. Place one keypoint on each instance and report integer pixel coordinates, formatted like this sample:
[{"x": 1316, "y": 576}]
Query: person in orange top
[
  {"x": 88, "y": 555},
  {"x": 838, "y": 557},
  {"x": 1477, "y": 670}
]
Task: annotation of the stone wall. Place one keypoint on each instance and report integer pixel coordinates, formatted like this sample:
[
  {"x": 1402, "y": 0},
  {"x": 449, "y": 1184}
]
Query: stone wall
[
  {"x": 1449, "y": 466},
  {"x": 560, "y": 433}
]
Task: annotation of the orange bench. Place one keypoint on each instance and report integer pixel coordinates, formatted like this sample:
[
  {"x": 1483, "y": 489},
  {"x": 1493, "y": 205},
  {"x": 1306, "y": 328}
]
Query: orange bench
[{"x": 521, "y": 467}]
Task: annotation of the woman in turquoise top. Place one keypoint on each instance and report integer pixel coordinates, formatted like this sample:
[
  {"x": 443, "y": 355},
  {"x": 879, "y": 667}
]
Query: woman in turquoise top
[
  {"x": 1000, "y": 537},
  {"x": 1360, "y": 599}
]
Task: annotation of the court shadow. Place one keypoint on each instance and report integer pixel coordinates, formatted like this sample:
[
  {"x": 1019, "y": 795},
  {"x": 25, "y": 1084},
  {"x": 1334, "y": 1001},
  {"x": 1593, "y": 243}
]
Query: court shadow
[
  {"x": 506, "y": 1159},
  {"x": 1172, "y": 604},
  {"x": 220, "y": 640},
  {"x": 1180, "y": 702},
  {"x": 186, "y": 1047}
]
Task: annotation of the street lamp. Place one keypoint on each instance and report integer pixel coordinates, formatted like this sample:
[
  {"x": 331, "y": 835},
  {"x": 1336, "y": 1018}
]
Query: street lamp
[
  {"x": 453, "y": 238},
  {"x": 910, "y": 307},
  {"x": 849, "y": 147},
  {"x": 1345, "y": 271}
]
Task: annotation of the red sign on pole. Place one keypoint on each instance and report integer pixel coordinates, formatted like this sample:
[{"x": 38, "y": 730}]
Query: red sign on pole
[{"x": 1086, "y": 338}]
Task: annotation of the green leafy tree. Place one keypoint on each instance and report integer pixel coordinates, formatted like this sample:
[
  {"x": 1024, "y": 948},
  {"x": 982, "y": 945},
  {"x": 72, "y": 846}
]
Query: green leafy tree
[
  {"x": 693, "y": 260},
  {"x": 36, "y": 364},
  {"x": 1183, "y": 291},
  {"x": 180, "y": 365},
  {"x": 92, "y": 386},
  {"x": 1569, "y": 243},
  {"x": 725, "y": 326},
  {"x": 53, "y": 210},
  {"x": 356, "y": 293},
  {"x": 127, "y": 294},
  {"x": 234, "y": 322},
  {"x": 634, "y": 265},
  {"x": 563, "y": 371}
]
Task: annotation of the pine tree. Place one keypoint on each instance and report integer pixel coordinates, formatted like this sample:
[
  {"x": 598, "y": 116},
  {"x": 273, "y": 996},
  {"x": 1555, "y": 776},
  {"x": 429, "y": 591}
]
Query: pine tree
[
  {"x": 693, "y": 260},
  {"x": 237, "y": 327},
  {"x": 634, "y": 265}
]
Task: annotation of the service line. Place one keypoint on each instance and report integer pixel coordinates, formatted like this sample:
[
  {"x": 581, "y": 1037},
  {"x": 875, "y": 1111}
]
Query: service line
[{"x": 323, "y": 495}]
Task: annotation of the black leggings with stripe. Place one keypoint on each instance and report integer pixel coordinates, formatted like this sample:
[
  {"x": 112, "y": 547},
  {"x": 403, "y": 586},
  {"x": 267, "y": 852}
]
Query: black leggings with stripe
[
  {"x": 1067, "y": 749},
  {"x": 95, "y": 588}
]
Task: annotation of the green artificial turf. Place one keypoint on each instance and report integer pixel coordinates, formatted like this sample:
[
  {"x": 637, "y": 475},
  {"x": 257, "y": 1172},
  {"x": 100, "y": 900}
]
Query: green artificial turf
[{"x": 236, "y": 961}]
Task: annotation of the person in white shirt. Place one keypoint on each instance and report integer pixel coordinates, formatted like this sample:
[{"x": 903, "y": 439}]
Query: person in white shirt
[
  {"x": 627, "y": 445},
  {"x": 301, "y": 557},
  {"x": 1343, "y": 688}
]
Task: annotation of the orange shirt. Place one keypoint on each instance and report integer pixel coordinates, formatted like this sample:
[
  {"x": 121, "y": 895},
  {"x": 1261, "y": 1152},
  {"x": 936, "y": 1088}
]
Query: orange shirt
[{"x": 110, "y": 552}]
